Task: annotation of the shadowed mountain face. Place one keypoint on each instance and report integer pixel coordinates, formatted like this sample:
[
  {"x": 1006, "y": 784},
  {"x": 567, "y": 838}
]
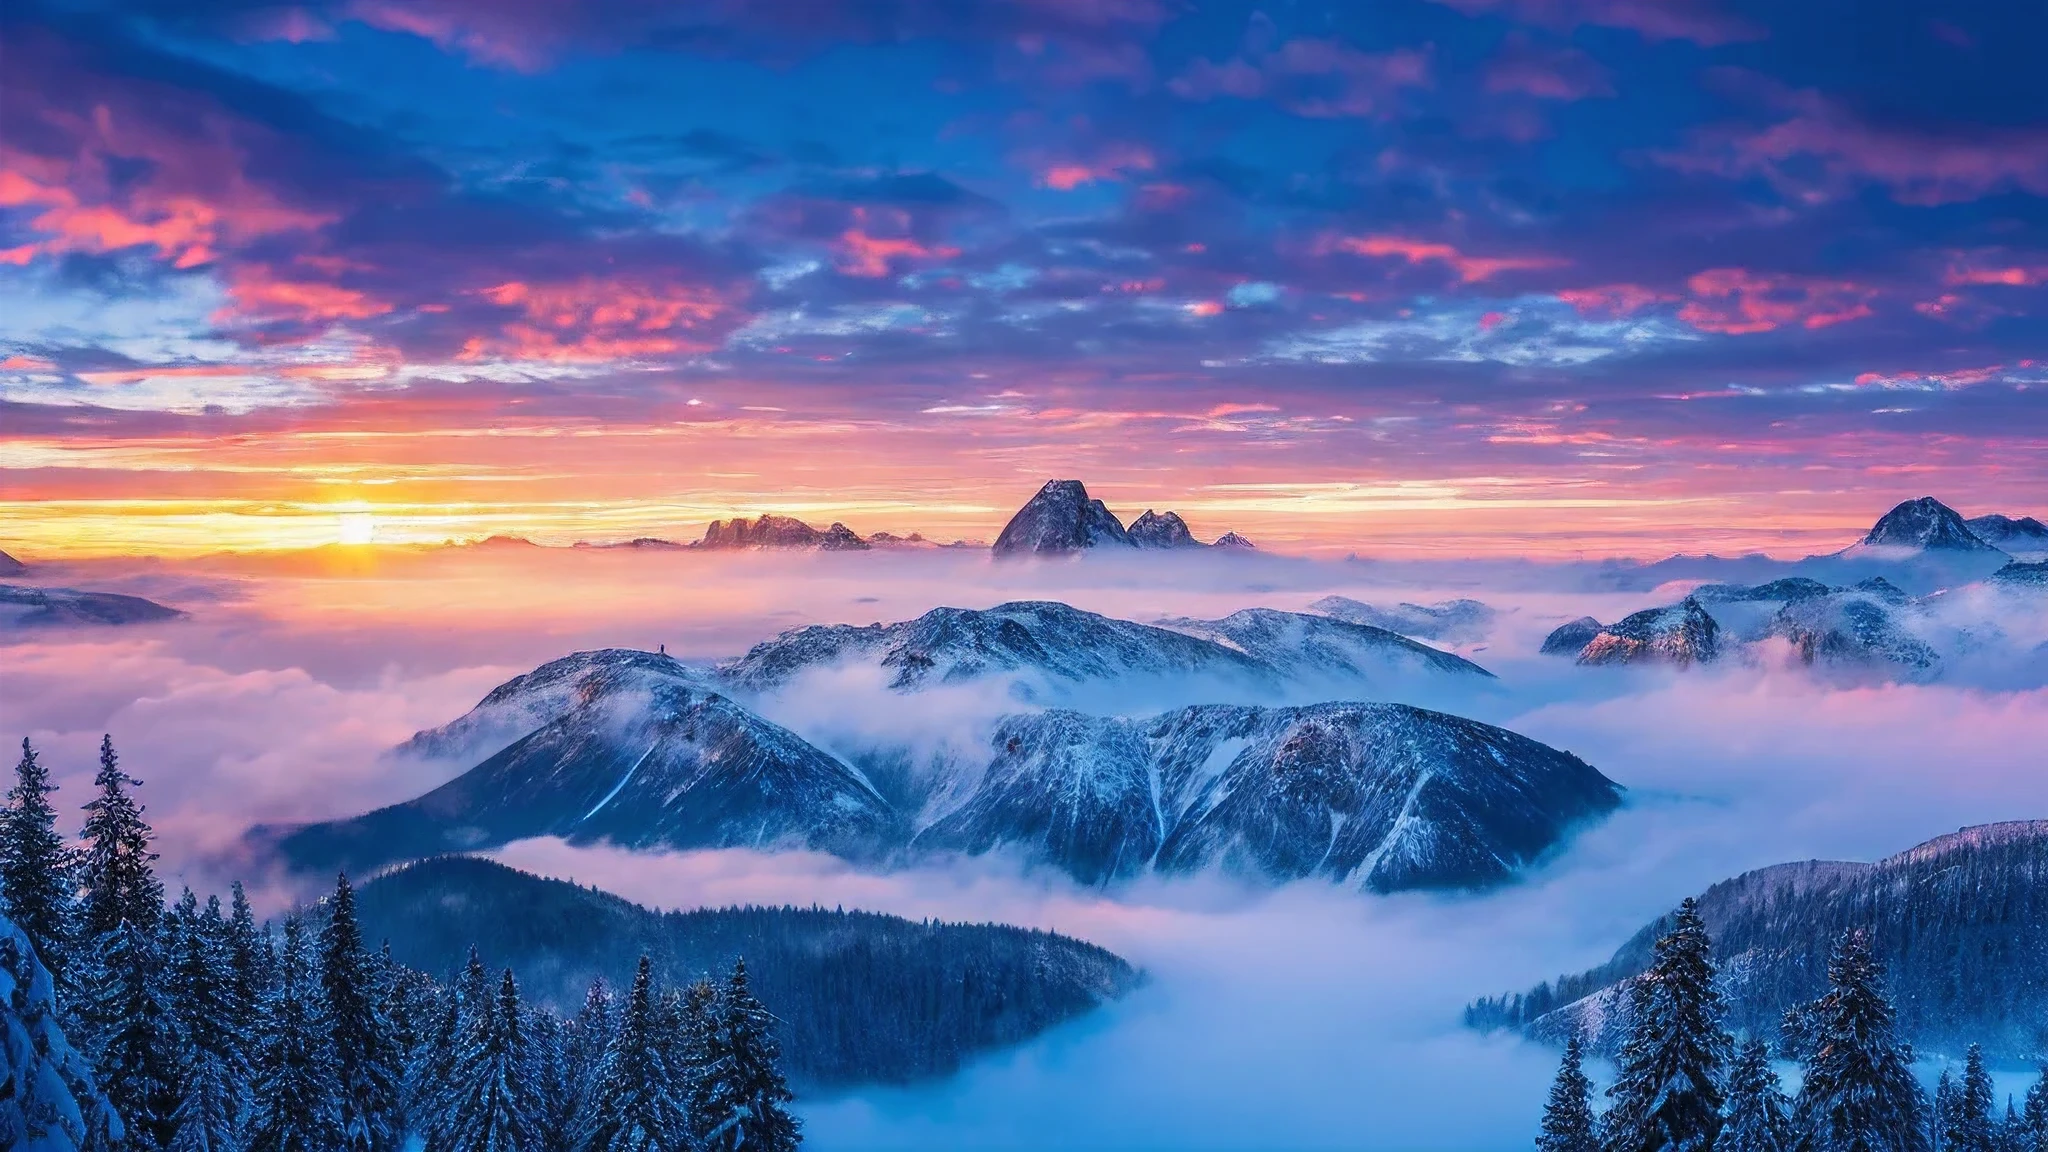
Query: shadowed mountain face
[
  {"x": 773, "y": 532},
  {"x": 860, "y": 998},
  {"x": 1153, "y": 530},
  {"x": 1061, "y": 519},
  {"x": 659, "y": 765},
  {"x": 2016, "y": 535},
  {"x": 1300, "y": 646},
  {"x": 1960, "y": 922},
  {"x": 9, "y": 566},
  {"x": 1380, "y": 795},
  {"x": 1925, "y": 524},
  {"x": 22, "y": 606}
]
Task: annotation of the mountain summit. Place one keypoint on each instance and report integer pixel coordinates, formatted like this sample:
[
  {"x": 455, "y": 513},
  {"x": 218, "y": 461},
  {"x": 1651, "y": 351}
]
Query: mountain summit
[
  {"x": 1061, "y": 520},
  {"x": 1925, "y": 525}
]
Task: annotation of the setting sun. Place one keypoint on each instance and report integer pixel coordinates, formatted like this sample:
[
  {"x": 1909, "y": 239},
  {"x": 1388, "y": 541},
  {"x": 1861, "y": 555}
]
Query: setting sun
[{"x": 357, "y": 528}]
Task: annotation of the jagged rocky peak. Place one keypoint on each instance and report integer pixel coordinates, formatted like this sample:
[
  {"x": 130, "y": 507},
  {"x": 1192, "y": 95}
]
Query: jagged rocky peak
[
  {"x": 24, "y": 606},
  {"x": 1968, "y": 910},
  {"x": 48, "y": 1099},
  {"x": 1683, "y": 634},
  {"x": 1787, "y": 589},
  {"x": 771, "y": 531},
  {"x": 1232, "y": 540},
  {"x": 2023, "y": 534},
  {"x": 9, "y": 566},
  {"x": 1060, "y": 520},
  {"x": 1925, "y": 525},
  {"x": 1162, "y": 530}
]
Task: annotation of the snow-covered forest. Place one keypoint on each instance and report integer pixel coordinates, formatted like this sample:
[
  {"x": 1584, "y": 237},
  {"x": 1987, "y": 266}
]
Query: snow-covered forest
[{"x": 140, "y": 1025}]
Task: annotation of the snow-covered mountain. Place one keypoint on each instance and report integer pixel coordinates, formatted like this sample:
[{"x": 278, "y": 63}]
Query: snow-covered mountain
[
  {"x": 25, "y": 606},
  {"x": 1318, "y": 649},
  {"x": 1232, "y": 542},
  {"x": 1960, "y": 922},
  {"x": 9, "y": 566},
  {"x": 1452, "y": 621},
  {"x": 1060, "y": 520},
  {"x": 2022, "y": 536},
  {"x": 1383, "y": 796},
  {"x": 1682, "y": 634},
  {"x": 48, "y": 1100},
  {"x": 640, "y": 759},
  {"x": 1043, "y": 645},
  {"x": 1571, "y": 637},
  {"x": 1924, "y": 525},
  {"x": 1154, "y": 530},
  {"x": 1860, "y": 625},
  {"x": 534, "y": 699},
  {"x": 2019, "y": 574}
]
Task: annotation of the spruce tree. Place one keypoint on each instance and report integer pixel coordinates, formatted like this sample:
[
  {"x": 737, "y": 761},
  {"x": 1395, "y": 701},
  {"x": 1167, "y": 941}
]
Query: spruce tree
[
  {"x": 491, "y": 1100},
  {"x": 1759, "y": 1113},
  {"x": 588, "y": 1035},
  {"x": 120, "y": 886},
  {"x": 1944, "y": 1107},
  {"x": 633, "y": 1107},
  {"x": 296, "y": 1106},
  {"x": 746, "y": 1096},
  {"x": 1667, "y": 1092},
  {"x": 1967, "y": 1124},
  {"x": 2034, "y": 1119},
  {"x": 36, "y": 866},
  {"x": 429, "y": 1076},
  {"x": 367, "y": 1065},
  {"x": 1568, "y": 1124},
  {"x": 214, "y": 1085},
  {"x": 134, "y": 1036},
  {"x": 554, "y": 1115},
  {"x": 1859, "y": 1094}
]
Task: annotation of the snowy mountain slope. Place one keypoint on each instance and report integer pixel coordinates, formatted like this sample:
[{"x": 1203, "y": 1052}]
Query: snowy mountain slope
[
  {"x": 1571, "y": 637},
  {"x": 1925, "y": 525},
  {"x": 1960, "y": 922},
  {"x": 1683, "y": 634},
  {"x": 48, "y": 1100},
  {"x": 1060, "y": 520},
  {"x": 2019, "y": 574},
  {"x": 1043, "y": 645},
  {"x": 2020, "y": 537},
  {"x": 1451, "y": 621},
  {"x": 529, "y": 701},
  {"x": 660, "y": 766},
  {"x": 23, "y": 606},
  {"x": 1305, "y": 648},
  {"x": 1383, "y": 796},
  {"x": 1154, "y": 530},
  {"x": 1863, "y": 625}
]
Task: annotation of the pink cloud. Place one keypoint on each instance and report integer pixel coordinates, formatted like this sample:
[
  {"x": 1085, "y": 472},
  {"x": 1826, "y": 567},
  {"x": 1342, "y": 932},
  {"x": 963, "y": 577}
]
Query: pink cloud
[
  {"x": 1736, "y": 301},
  {"x": 1700, "y": 21},
  {"x": 258, "y": 293},
  {"x": 1470, "y": 269},
  {"x": 863, "y": 253},
  {"x": 595, "y": 320},
  {"x": 1116, "y": 162},
  {"x": 1562, "y": 74},
  {"x": 1613, "y": 300}
]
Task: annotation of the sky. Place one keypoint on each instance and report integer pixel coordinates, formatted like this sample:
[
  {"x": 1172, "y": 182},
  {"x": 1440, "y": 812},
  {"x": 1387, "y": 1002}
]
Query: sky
[{"x": 1532, "y": 277}]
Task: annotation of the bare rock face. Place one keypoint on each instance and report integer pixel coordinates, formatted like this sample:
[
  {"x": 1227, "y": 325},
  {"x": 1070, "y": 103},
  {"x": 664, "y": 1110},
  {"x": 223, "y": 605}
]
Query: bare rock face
[
  {"x": 1683, "y": 634},
  {"x": 1156, "y": 530},
  {"x": 779, "y": 532},
  {"x": 1061, "y": 520},
  {"x": 1927, "y": 525}
]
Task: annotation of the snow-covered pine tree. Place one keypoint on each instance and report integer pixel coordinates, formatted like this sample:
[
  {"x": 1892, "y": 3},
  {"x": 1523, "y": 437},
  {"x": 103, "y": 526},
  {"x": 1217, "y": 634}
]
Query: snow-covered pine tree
[
  {"x": 491, "y": 1100},
  {"x": 214, "y": 1081},
  {"x": 1568, "y": 1124},
  {"x": 1759, "y": 1113},
  {"x": 429, "y": 1075},
  {"x": 127, "y": 1013},
  {"x": 554, "y": 1116},
  {"x": 1967, "y": 1124},
  {"x": 747, "y": 1095},
  {"x": 1667, "y": 1091},
  {"x": 632, "y": 1106},
  {"x": 120, "y": 886},
  {"x": 2012, "y": 1131},
  {"x": 2034, "y": 1117},
  {"x": 1944, "y": 1107},
  {"x": 1859, "y": 1094},
  {"x": 245, "y": 960},
  {"x": 296, "y": 1098},
  {"x": 367, "y": 1064},
  {"x": 37, "y": 867},
  {"x": 701, "y": 1046},
  {"x": 585, "y": 1040}
]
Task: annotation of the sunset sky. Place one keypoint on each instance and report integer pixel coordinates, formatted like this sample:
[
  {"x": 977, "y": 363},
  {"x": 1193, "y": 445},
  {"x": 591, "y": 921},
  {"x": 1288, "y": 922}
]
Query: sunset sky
[{"x": 1521, "y": 276}]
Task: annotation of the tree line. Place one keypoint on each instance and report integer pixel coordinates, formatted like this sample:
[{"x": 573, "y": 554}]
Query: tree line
[
  {"x": 1683, "y": 1084},
  {"x": 211, "y": 1032}
]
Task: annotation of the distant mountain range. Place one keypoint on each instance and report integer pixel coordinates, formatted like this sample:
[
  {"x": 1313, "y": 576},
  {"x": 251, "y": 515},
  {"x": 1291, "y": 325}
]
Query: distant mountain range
[
  {"x": 1960, "y": 922},
  {"x": 9, "y": 566},
  {"x": 1451, "y": 621},
  {"x": 640, "y": 750},
  {"x": 26, "y": 606},
  {"x": 1062, "y": 520},
  {"x": 860, "y": 998}
]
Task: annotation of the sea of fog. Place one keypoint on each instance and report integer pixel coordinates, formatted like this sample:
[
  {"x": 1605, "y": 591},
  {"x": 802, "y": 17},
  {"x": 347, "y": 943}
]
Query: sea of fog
[{"x": 1303, "y": 1018}]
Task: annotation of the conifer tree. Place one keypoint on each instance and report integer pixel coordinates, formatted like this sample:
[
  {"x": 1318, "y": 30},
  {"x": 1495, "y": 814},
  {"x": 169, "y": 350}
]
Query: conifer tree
[
  {"x": 2034, "y": 1118},
  {"x": 1568, "y": 1124},
  {"x": 1859, "y": 1094},
  {"x": 120, "y": 886},
  {"x": 587, "y": 1037},
  {"x": 1944, "y": 1107},
  {"x": 296, "y": 1106},
  {"x": 554, "y": 1116},
  {"x": 746, "y": 1096},
  {"x": 700, "y": 1049},
  {"x": 214, "y": 1084},
  {"x": 633, "y": 1107},
  {"x": 134, "y": 1037},
  {"x": 430, "y": 1074},
  {"x": 1667, "y": 1092},
  {"x": 491, "y": 1100},
  {"x": 1759, "y": 1113},
  {"x": 36, "y": 867},
  {"x": 1967, "y": 1124},
  {"x": 367, "y": 1065}
]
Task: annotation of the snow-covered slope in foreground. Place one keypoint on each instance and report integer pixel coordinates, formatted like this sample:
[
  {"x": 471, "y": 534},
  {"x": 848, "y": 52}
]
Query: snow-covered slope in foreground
[{"x": 48, "y": 1101}]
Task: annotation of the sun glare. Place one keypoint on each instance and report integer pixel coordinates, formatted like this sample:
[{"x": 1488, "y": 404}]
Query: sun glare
[{"x": 357, "y": 527}]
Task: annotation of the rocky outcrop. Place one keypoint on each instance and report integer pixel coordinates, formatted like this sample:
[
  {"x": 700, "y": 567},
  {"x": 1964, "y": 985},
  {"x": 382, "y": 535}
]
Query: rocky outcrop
[{"x": 1061, "y": 520}]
